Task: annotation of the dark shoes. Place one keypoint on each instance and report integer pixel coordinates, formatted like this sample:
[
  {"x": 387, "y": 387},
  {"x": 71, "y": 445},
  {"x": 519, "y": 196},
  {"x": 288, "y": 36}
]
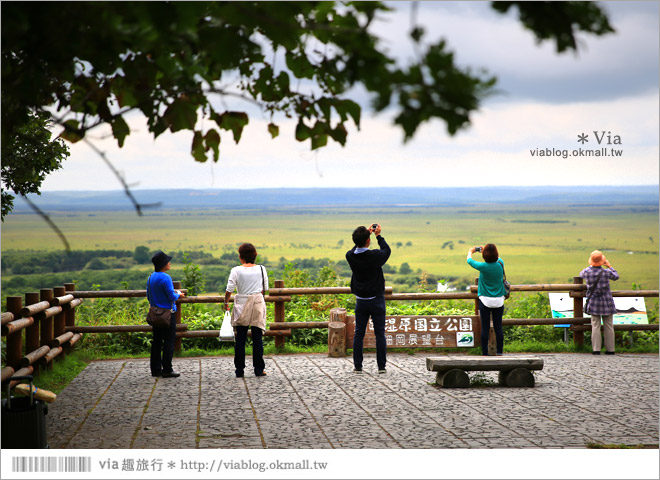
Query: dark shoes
[
  {"x": 609, "y": 353},
  {"x": 595, "y": 353},
  {"x": 170, "y": 374},
  {"x": 242, "y": 374}
]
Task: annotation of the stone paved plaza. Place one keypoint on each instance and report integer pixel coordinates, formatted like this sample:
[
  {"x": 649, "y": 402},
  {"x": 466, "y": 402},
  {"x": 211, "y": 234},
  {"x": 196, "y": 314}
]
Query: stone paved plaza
[{"x": 313, "y": 401}]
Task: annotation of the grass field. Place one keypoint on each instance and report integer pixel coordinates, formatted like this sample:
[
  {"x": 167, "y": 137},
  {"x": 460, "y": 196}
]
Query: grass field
[{"x": 539, "y": 244}]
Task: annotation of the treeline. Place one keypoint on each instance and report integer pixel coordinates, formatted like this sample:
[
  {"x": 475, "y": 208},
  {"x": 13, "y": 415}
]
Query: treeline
[
  {"x": 26, "y": 262},
  {"x": 28, "y": 271}
]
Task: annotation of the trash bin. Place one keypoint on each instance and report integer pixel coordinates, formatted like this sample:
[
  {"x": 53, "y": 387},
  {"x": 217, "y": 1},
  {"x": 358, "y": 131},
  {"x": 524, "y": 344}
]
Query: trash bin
[{"x": 23, "y": 419}]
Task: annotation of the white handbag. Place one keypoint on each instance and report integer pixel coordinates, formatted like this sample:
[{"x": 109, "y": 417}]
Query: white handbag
[{"x": 226, "y": 330}]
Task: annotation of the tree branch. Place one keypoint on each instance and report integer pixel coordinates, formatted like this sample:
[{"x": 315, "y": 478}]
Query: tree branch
[
  {"x": 138, "y": 206},
  {"x": 50, "y": 223}
]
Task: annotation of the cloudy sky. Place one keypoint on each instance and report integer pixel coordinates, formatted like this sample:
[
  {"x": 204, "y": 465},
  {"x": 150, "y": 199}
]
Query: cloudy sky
[{"x": 545, "y": 100}]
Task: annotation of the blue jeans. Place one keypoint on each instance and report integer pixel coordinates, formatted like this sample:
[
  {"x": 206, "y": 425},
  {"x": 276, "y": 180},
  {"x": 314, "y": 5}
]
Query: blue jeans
[
  {"x": 162, "y": 348},
  {"x": 485, "y": 313},
  {"x": 376, "y": 310},
  {"x": 257, "y": 350}
]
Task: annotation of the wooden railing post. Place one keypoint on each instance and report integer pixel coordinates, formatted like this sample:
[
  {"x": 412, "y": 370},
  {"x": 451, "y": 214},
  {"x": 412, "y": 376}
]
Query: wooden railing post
[
  {"x": 279, "y": 315},
  {"x": 46, "y": 330},
  {"x": 32, "y": 332},
  {"x": 177, "y": 315},
  {"x": 476, "y": 300},
  {"x": 14, "y": 340},
  {"x": 578, "y": 336},
  {"x": 59, "y": 322},
  {"x": 70, "y": 314},
  {"x": 337, "y": 333}
]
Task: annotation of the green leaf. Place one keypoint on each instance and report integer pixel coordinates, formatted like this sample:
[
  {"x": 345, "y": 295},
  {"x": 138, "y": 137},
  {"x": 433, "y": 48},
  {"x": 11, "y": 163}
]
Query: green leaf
[
  {"x": 325, "y": 104},
  {"x": 72, "y": 131},
  {"x": 212, "y": 139},
  {"x": 303, "y": 132},
  {"x": 234, "y": 121},
  {"x": 351, "y": 108},
  {"x": 273, "y": 129},
  {"x": 319, "y": 141},
  {"x": 120, "y": 130},
  {"x": 283, "y": 83},
  {"x": 181, "y": 115},
  {"x": 299, "y": 65},
  {"x": 198, "y": 151},
  {"x": 339, "y": 134}
]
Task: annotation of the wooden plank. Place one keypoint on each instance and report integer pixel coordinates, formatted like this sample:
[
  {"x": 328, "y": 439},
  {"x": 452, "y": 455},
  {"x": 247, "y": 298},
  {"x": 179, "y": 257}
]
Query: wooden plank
[
  {"x": 31, "y": 310},
  {"x": 109, "y": 293},
  {"x": 221, "y": 299},
  {"x": 67, "y": 307},
  {"x": 17, "y": 325},
  {"x": 546, "y": 321},
  {"x": 289, "y": 325},
  {"x": 49, "y": 313},
  {"x": 32, "y": 357},
  {"x": 54, "y": 352},
  {"x": 622, "y": 293},
  {"x": 216, "y": 333},
  {"x": 116, "y": 328},
  {"x": 554, "y": 287},
  {"x": 6, "y": 373},
  {"x": 61, "y": 340},
  {"x": 423, "y": 331},
  {"x": 432, "y": 296},
  {"x": 624, "y": 327},
  {"x": 7, "y": 317},
  {"x": 21, "y": 373},
  {"x": 63, "y": 300},
  {"x": 315, "y": 291},
  {"x": 472, "y": 363}
]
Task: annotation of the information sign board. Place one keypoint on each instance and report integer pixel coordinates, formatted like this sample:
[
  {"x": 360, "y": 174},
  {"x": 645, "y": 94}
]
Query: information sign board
[{"x": 422, "y": 331}]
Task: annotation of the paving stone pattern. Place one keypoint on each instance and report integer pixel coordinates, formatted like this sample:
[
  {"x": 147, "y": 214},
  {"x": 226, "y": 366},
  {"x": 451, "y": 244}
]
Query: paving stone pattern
[{"x": 313, "y": 401}]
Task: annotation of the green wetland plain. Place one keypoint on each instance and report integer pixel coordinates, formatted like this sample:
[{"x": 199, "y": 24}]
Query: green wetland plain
[{"x": 539, "y": 244}]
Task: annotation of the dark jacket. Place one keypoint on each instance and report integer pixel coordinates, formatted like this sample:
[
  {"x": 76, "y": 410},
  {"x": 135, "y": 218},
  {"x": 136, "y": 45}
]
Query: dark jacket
[{"x": 367, "y": 267}]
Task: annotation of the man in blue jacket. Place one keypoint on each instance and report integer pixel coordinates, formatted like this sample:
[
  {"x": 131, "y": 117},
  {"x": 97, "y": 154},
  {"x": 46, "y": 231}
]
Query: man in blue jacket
[{"x": 368, "y": 286}]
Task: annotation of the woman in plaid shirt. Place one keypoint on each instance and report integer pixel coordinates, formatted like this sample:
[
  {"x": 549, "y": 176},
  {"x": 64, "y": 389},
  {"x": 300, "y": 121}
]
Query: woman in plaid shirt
[{"x": 601, "y": 303}]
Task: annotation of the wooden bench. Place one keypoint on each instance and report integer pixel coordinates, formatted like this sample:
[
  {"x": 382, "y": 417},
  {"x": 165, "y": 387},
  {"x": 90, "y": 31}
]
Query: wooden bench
[{"x": 513, "y": 371}]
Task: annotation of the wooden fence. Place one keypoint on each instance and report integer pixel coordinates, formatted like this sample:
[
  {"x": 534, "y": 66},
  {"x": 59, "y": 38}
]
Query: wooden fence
[{"x": 49, "y": 320}]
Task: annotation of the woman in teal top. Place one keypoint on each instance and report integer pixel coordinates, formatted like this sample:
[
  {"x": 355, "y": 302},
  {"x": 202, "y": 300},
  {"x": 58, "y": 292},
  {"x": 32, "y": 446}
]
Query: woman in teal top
[{"x": 491, "y": 293}]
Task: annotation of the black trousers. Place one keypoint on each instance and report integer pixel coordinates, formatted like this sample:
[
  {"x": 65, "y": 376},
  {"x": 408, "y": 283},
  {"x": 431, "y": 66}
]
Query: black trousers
[
  {"x": 485, "y": 314},
  {"x": 375, "y": 309},
  {"x": 162, "y": 348},
  {"x": 257, "y": 350}
]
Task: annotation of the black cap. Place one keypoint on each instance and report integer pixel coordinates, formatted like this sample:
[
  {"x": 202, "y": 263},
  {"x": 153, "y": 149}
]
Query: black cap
[{"x": 159, "y": 260}]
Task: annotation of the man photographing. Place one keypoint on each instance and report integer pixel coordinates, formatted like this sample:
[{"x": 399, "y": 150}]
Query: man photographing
[{"x": 368, "y": 286}]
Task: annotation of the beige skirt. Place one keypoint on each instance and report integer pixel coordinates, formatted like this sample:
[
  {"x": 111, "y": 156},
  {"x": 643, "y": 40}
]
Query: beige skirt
[{"x": 249, "y": 311}]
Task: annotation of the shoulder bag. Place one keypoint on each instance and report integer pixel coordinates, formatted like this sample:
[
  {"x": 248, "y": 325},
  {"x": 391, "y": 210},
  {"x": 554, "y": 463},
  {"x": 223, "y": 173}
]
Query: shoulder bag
[
  {"x": 157, "y": 317},
  {"x": 590, "y": 291},
  {"x": 263, "y": 280},
  {"x": 507, "y": 285}
]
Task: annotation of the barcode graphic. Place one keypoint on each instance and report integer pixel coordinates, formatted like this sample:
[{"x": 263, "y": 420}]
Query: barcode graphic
[{"x": 51, "y": 464}]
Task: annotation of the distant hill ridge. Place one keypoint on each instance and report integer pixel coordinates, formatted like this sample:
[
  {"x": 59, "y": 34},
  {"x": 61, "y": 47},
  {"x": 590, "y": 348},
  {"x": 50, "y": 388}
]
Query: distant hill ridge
[{"x": 386, "y": 196}]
